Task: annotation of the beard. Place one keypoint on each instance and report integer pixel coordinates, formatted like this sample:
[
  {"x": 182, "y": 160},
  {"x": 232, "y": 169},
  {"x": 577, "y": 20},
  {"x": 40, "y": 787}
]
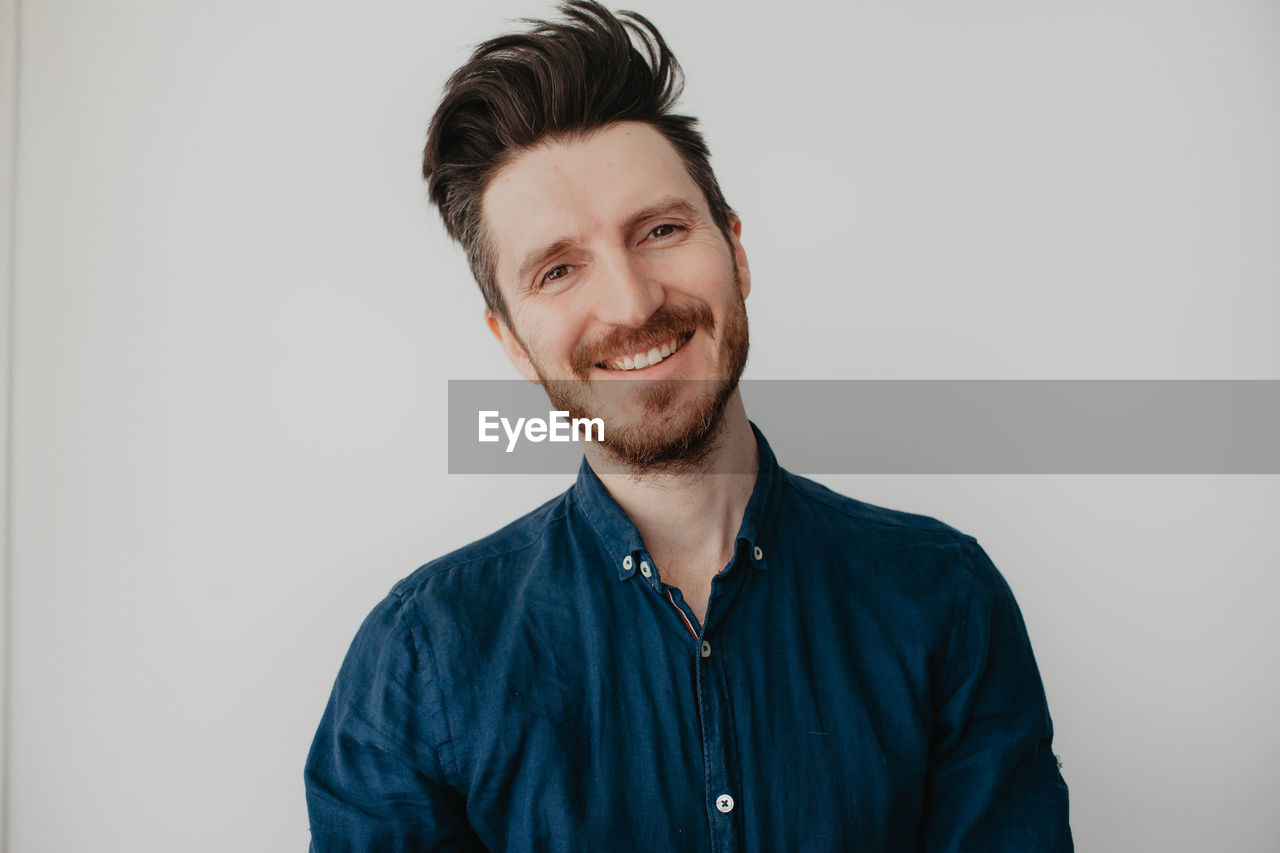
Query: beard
[{"x": 665, "y": 433}]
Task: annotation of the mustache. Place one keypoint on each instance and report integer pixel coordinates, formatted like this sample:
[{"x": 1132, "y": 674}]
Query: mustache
[{"x": 665, "y": 323}]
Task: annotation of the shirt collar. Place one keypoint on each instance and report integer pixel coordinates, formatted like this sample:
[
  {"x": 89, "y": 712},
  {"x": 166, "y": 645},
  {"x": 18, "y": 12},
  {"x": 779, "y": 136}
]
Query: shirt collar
[{"x": 622, "y": 541}]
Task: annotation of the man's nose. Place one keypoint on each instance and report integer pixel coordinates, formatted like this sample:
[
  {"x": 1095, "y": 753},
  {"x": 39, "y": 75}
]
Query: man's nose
[{"x": 628, "y": 295}]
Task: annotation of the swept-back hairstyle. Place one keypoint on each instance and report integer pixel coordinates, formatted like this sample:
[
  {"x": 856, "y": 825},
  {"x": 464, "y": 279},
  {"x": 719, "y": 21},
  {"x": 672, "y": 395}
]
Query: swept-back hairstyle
[{"x": 561, "y": 79}]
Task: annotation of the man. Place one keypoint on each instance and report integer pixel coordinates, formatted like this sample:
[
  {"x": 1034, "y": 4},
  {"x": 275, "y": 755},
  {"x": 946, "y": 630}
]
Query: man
[{"x": 667, "y": 657}]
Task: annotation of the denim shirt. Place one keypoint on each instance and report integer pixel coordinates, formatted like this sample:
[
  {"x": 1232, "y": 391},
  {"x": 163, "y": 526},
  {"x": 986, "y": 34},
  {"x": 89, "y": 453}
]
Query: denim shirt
[{"x": 862, "y": 681}]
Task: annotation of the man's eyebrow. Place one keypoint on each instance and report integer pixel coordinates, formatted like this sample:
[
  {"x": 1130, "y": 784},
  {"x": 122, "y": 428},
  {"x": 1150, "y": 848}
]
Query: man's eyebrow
[
  {"x": 538, "y": 257},
  {"x": 665, "y": 207}
]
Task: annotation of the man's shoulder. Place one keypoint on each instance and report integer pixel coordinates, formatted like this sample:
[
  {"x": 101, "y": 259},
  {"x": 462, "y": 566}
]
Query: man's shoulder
[
  {"x": 843, "y": 511},
  {"x": 917, "y": 546},
  {"x": 508, "y": 545},
  {"x": 457, "y": 599}
]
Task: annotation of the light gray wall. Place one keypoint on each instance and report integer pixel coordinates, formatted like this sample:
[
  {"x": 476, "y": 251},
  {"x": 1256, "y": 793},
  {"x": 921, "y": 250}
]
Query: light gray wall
[
  {"x": 8, "y": 114},
  {"x": 236, "y": 315}
]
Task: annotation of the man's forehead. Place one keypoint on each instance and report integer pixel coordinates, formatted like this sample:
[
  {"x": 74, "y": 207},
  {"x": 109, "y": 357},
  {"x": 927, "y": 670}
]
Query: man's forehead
[{"x": 574, "y": 186}]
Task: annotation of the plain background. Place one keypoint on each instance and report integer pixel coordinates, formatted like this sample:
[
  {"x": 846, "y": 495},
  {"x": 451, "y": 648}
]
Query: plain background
[{"x": 234, "y": 316}]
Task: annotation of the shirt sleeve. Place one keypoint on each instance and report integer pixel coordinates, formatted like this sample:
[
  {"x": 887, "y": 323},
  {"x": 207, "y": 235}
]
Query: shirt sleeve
[
  {"x": 993, "y": 781},
  {"x": 373, "y": 778}
]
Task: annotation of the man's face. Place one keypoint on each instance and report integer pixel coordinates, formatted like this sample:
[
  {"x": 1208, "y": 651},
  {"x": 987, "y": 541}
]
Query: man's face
[{"x": 625, "y": 299}]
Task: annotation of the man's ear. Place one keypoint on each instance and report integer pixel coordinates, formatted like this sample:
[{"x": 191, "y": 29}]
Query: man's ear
[
  {"x": 739, "y": 255},
  {"x": 511, "y": 345}
]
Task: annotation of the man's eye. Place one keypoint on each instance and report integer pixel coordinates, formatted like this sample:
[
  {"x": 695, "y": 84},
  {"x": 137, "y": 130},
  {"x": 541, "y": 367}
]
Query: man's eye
[
  {"x": 664, "y": 230},
  {"x": 554, "y": 273}
]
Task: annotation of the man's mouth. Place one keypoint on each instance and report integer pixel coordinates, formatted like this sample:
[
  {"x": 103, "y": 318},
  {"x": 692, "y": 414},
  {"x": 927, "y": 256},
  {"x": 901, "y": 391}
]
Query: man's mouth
[{"x": 648, "y": 358}]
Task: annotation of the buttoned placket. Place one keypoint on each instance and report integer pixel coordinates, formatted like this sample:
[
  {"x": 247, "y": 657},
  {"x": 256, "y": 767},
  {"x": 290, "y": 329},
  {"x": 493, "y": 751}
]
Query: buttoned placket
[{"x": 722, "y": 788}]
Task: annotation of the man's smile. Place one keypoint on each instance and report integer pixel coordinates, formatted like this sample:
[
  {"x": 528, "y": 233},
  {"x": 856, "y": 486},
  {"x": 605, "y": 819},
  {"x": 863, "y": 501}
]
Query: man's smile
[{"x": 648, "y": 358}]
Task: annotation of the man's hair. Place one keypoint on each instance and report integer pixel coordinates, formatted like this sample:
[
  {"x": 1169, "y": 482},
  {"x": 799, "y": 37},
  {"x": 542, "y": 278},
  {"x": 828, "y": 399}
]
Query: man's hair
[{"x": 560, "y": 80}]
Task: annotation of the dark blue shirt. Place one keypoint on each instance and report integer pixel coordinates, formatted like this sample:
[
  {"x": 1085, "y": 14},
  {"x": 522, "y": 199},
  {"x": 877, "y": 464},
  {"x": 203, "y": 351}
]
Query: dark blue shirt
[{"x": 862, "y": 681}]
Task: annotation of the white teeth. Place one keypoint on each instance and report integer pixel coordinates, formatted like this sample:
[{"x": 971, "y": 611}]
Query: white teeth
[{"x": 644, "y": 359}]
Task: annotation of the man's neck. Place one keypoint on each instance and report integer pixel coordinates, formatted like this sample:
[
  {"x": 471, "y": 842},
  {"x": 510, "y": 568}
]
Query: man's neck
[{"x": 689, "y": 521}]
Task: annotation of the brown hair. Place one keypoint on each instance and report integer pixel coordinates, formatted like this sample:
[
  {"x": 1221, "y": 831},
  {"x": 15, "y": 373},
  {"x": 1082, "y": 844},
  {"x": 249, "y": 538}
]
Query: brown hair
[{"x": 558, "y": 80}]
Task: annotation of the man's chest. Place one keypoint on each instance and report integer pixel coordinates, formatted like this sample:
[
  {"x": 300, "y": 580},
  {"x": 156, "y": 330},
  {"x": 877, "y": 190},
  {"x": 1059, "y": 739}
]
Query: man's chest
[{"x": 764, "y": 730}]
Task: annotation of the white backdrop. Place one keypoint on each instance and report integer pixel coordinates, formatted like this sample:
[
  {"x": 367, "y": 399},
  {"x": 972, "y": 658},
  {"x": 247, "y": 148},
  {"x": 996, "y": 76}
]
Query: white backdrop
[{"x": 235, "y": 316}]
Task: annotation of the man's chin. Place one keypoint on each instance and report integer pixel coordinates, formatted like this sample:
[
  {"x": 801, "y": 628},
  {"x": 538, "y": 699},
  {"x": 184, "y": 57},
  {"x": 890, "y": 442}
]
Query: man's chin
[
  {"x": 641, "y": 451},
  {"x": 670, "y": 426}
]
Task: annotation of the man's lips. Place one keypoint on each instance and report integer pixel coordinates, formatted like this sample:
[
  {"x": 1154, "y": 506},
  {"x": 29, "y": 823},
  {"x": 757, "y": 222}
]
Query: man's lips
[{"x": 647, "y": 358}]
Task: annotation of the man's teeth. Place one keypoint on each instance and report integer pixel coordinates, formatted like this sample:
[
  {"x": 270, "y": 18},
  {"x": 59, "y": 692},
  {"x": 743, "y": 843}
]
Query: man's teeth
[{"x": 645, "y": 359}]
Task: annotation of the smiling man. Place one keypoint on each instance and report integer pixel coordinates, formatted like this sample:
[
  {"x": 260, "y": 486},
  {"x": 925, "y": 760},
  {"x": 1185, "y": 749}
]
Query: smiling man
[
  {"x": 691, "y": 648},
  {"x": 627, "y": 303}
]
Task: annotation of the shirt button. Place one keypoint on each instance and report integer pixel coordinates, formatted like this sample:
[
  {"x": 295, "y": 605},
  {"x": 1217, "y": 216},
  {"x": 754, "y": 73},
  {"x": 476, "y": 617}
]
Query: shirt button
[
  {"x": 627, "y": 562},
  {"x": 645, "y": 570},
  {"x": 758, "y": 554},
  {"x": 724, "y": 803},
  {"x": 706, "y": 649}
]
